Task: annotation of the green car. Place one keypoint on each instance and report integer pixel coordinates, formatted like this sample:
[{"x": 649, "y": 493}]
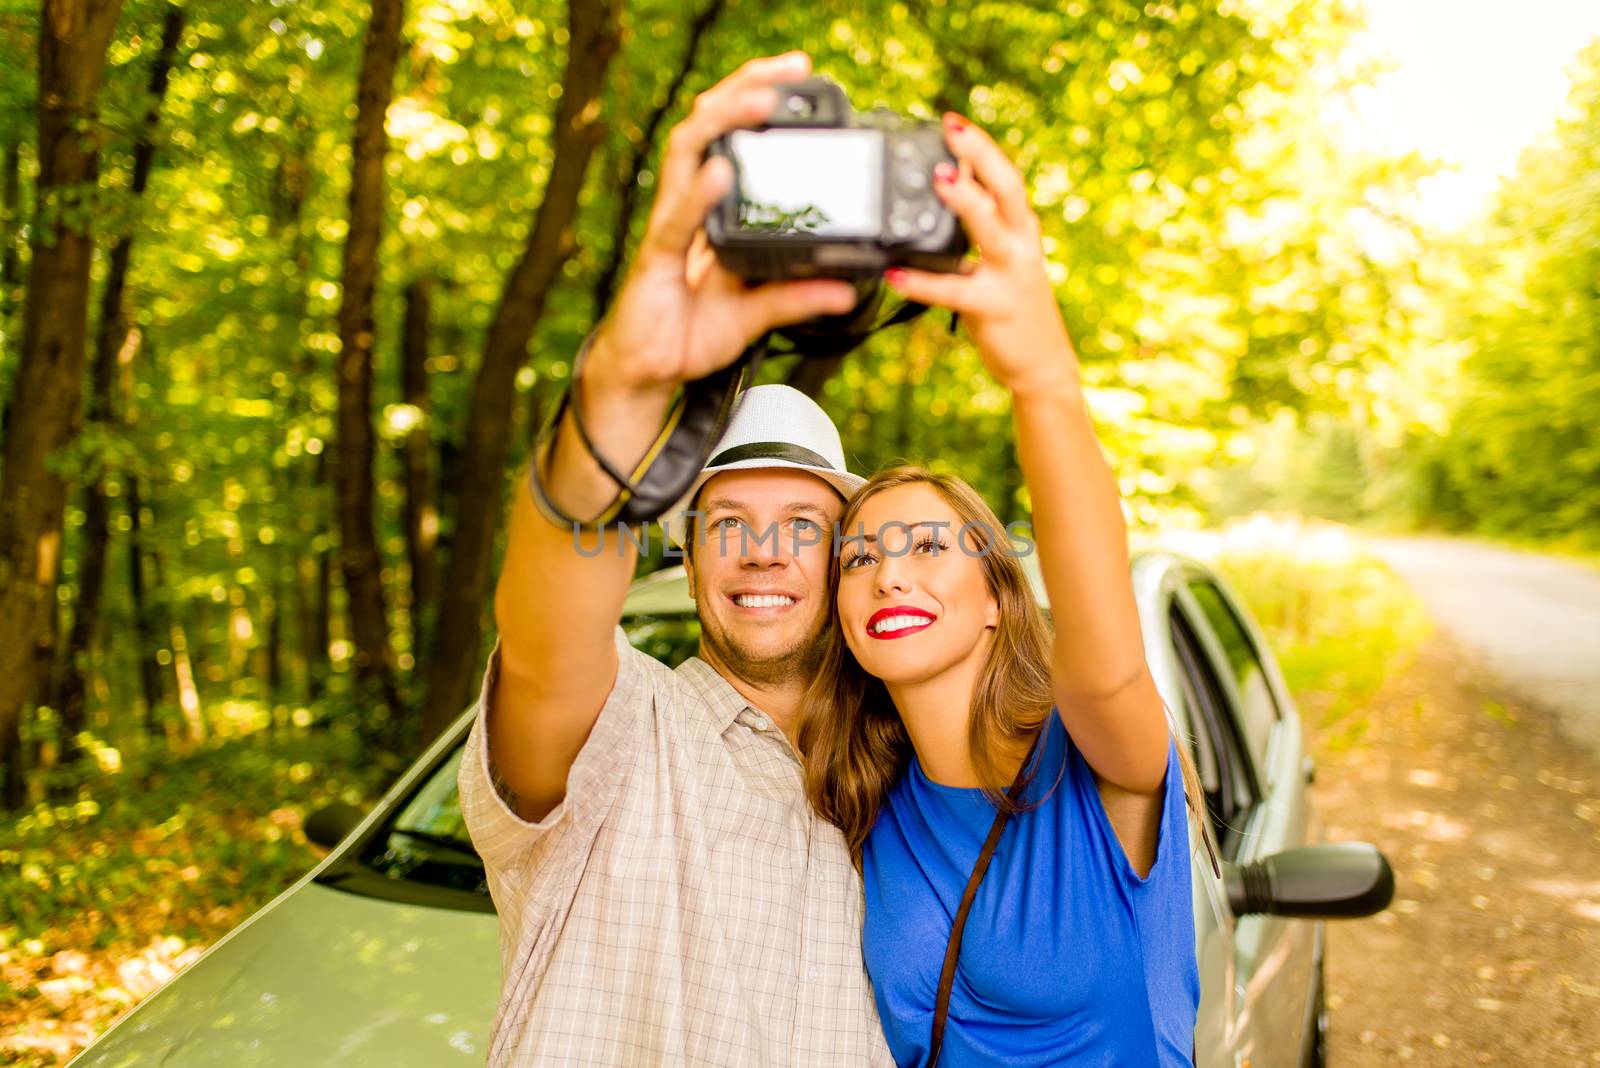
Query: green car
[{"x": 388, "y": 952}]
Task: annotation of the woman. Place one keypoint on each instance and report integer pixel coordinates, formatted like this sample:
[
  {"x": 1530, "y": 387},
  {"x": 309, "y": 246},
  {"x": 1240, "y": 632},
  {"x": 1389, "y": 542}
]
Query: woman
[{"x": 945, "y": 700}]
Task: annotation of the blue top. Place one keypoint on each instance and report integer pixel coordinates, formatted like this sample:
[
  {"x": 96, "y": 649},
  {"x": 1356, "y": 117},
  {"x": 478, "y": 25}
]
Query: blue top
[{"x": 1068, "y": 956}]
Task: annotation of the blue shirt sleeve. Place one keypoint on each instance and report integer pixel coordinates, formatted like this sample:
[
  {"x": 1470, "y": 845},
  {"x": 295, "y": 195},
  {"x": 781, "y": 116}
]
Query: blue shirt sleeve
[{"x": 1170, "y": 828}]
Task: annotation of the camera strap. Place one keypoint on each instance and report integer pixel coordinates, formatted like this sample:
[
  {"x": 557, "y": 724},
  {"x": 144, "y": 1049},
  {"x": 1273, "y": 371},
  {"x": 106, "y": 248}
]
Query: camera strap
[
  {"x": 952, "y": 949},
  {"x": 696, "y": 422},
  {"x": 678, "y": 453}
]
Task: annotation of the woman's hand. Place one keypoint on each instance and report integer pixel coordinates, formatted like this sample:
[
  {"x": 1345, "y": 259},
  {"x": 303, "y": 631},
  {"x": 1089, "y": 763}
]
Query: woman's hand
[
  {"x": 1103, "y": 688},
  {"x": 1005, "y": 299}
]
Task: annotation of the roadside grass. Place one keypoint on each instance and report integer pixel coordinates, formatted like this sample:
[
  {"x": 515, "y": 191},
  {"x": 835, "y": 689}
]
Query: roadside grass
[{"x": 1338, "y": 621}]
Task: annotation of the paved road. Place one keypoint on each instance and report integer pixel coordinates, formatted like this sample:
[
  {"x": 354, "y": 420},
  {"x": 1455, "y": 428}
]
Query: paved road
[{"x": 1535, "y": 620}]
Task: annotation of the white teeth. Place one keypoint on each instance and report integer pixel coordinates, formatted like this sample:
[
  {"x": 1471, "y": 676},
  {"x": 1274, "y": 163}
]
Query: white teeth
[
  {"x": 766, "y": 600},
  {"x": 884, "y": 626}
]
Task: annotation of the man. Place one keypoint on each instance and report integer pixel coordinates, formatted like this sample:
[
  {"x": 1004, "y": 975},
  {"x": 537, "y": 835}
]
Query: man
[{"x": 666, "y": 895}]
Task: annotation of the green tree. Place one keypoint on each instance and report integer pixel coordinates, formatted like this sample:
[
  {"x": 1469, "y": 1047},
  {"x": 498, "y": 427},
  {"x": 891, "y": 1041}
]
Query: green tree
[
  {"x": 44, "y": 413},
  {"x": 1519, "y": 454},
  {"x": 359, "y": 556}
]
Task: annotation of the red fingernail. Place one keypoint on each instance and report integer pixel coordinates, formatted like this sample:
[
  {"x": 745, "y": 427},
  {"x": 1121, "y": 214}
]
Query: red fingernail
[
  {"x": 895, "y": 276},
  {"x": 954, "y": 121},
  {"x": 944, "y": 172}
]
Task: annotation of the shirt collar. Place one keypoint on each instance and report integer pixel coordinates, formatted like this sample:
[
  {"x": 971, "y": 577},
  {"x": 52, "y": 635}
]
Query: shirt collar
[{"x": 725, "y": 704}]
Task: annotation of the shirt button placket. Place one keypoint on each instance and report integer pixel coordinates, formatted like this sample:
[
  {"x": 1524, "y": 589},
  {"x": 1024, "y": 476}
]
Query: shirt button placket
[
  {"x": 811, "y": 996},
  {"x": 807, "y": 950}
]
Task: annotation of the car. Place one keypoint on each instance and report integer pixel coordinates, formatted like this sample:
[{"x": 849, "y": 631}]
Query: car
[{"x": 388, "y": 950}]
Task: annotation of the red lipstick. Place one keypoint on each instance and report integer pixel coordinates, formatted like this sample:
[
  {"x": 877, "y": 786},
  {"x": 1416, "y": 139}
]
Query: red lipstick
[{"x": 886, "y": 613}]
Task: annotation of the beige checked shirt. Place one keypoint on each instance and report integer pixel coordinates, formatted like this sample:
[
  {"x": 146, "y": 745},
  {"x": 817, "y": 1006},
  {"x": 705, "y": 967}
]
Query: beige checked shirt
[{"x": 683, "y": 905}]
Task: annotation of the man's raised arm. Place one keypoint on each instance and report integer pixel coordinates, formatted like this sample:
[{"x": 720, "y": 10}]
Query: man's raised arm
[{"x": 679, "y": 316}]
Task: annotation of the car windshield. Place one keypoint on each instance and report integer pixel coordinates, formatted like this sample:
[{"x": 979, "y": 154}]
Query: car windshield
[{"x": 426, "y": 839}]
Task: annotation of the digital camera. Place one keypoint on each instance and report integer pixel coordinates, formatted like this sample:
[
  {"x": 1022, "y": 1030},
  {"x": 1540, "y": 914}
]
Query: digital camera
[{"x": 822, "y": 192}]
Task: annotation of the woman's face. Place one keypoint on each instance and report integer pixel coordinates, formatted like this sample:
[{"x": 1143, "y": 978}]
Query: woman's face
[{"x": 912, "y": 604}]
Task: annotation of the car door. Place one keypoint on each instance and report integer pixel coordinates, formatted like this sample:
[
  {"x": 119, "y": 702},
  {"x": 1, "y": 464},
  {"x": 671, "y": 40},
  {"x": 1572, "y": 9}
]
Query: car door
[
  {"x": 1249, "y": 751},
  {"x": 1217, "y": 1023}
]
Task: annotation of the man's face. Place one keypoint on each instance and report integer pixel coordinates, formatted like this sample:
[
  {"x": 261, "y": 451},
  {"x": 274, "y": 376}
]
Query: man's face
[{"x": 759, "y": 573}]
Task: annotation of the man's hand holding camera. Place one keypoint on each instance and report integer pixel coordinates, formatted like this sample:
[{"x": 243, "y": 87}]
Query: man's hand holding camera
[{"x": 681, "y": 315}]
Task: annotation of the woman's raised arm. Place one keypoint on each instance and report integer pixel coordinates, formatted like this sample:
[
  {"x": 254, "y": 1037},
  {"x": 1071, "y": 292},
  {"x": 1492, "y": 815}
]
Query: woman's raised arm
[{"x": 1103, "y": 686}]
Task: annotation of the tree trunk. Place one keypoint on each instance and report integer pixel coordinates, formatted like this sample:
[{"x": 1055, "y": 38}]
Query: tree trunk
[
  {"x": 306, "y": 478},
  {"x": 10, "y": 263},
  {"x": 272, "y": 607},
  {"x": 109, "y": 340},
  {"x": 182, "y": 667},
  {"x": 359, "y": 556},
  {"x": 143, "y": 619},
  {"x": 10, "y": 223},
  {"x": 593, "y": 41},
  {"x": 628, "y": 180},
  {"x": 416, "y": 458},
  {"x": 45, "y": 415},
  {"x": 73, "y": 689},
  {"x": 20, "y": 763},
  {"x": 322, "y": 623},
  {"x": 306, "y": 607},
  {"x": 45, "y": 694},
  {"x": 14, "y": 794}
]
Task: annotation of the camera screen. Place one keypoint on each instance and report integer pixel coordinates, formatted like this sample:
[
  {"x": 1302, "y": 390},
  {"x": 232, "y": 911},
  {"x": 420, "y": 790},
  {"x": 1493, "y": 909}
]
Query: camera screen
[{"x": 825, "y": 182}]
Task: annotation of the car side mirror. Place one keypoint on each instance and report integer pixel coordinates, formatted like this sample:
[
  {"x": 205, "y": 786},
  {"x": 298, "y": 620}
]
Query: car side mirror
[
  {"x": 1336, "y": 881},
  {"x": 330, "y": 824}
]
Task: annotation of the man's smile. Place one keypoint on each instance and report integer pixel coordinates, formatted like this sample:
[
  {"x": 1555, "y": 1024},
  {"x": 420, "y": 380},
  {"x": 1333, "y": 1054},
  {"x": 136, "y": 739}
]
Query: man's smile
[{"x": 763, "y": 602}]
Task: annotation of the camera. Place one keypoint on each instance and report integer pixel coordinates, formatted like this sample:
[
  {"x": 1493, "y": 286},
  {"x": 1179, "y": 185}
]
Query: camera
[{"x": 823, "y": 192}]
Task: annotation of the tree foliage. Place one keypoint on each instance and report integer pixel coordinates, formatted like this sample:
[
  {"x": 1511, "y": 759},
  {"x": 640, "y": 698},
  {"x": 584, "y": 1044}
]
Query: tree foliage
[
  {"x": 1519, "y": 454},
  {"x": 1259, "y": 322},
  {"x": 1203, "y": 229}
]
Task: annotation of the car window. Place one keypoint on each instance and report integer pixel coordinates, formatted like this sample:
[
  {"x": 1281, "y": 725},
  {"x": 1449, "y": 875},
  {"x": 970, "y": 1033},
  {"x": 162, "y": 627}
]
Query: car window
[
  {"x": 670, "y": 639},
  {"x": 1219, "y": 756},
  {"x": 426, "y": 842},
  {"x": 1258, "y": 711}
]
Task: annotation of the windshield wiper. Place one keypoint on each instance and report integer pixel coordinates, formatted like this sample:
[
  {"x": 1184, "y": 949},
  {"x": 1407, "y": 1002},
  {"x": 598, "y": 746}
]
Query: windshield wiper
[{"x": 443, "y": 841}]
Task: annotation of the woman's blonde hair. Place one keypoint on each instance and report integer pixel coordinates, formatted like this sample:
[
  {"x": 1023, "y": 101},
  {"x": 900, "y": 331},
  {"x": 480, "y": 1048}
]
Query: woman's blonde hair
[{"x": 852, "y": 736}]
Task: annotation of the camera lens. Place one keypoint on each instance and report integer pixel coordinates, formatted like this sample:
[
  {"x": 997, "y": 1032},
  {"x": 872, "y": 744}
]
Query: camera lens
[{"x": 799, "y": 106}]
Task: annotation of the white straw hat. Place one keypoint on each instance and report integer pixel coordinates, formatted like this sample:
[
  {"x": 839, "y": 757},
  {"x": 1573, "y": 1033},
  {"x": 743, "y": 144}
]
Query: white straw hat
[{"x": 771, "y": 426}]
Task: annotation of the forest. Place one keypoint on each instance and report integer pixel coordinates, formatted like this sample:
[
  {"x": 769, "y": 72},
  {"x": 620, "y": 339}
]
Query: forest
[{"x": 287, "y": 287}]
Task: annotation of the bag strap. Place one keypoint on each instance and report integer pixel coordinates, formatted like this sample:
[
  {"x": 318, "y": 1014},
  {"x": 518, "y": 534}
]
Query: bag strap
[{"x": 947, "y": 976}]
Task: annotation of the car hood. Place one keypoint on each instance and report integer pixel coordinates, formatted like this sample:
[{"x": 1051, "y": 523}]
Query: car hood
[{"x": 323, "y": 977}]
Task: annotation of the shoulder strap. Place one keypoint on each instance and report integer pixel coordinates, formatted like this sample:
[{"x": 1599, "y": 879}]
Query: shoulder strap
[{"x": 952, "y": 951}]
